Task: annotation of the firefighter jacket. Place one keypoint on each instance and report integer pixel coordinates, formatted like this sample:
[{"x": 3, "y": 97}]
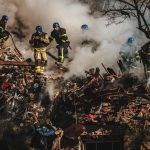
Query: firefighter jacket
[
  {"x": 145, "y": 53},
  {"x": 60, "y": 36},
  {"x": 39, "y": 40}
]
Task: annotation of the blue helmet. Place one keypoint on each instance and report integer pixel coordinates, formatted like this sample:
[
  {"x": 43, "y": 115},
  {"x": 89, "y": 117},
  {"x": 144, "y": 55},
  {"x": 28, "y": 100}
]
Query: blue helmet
[
  {"x": 39, "y": 29},
  {"x": 5, "y": 18},
  {"x": 130, "y": 40},
  {"x": 84, "y": 27},
  {"x": 56, "y": 24}
]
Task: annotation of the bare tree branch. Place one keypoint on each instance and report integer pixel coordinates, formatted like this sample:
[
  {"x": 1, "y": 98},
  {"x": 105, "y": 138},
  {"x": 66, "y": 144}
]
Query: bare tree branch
[{"x": 130, "y": 8}]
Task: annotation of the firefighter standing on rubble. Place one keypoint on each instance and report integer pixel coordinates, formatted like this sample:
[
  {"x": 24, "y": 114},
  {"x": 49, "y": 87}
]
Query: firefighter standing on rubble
[
  {"x": 88, "y": 41},
  {"x": 40, "y": 41},
  {"x": 4, "y": 34},
  {"x": 129, "y": 53},
  {"x": 61, "y": 38},
  {"x": 145, "y": 57}
]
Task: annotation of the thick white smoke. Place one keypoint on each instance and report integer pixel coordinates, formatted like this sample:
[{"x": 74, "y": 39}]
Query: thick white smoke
[
  {"x": 110, "y": 38},
  {"x": 71, "y": 14}
]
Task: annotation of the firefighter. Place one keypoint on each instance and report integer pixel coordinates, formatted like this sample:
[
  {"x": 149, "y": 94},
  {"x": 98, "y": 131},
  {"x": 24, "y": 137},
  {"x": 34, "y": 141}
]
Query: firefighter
[
  {"x": 84, "y": 27},
  {"x": 145, "y": 57},
  {"x": 61, "y": 38},
  {"x": 129, "y": 53},
  {"x": 4, "y": 34},
  {"x": 88, "y": 41},
  {"x": 39, "y": 42}
]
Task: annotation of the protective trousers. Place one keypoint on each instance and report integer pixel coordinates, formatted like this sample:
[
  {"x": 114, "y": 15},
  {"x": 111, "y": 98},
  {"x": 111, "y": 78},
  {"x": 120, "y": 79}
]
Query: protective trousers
[
  {"x": 147, "y": 69},
  {"x": 40, "y": 59},
  {"x": 62, "y": 52},
  {"x": 2, "y": 41}
]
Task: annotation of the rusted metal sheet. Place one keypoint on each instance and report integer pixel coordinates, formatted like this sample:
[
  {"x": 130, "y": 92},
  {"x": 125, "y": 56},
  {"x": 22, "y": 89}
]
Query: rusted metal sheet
[{"x": 15, "y": 63}]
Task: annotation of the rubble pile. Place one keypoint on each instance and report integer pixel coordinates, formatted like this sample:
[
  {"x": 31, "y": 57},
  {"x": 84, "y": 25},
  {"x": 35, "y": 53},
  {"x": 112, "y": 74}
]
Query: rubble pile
[{"x": 97, "y": 105}]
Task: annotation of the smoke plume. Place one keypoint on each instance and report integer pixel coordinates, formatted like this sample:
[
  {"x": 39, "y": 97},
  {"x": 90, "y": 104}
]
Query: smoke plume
[{"x": 71, "y": 14}]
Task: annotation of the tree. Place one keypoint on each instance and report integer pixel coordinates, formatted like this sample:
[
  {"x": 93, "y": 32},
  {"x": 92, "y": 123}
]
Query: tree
[{"x": 134, "y": 9}]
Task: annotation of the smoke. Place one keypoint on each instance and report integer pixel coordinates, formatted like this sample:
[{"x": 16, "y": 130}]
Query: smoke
[
  {"x": 51, "y": 90},
  {"x": 111, "y": 39},
  {"x": 8, "y": 8},
  {"x": 71, "y": 14}
]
